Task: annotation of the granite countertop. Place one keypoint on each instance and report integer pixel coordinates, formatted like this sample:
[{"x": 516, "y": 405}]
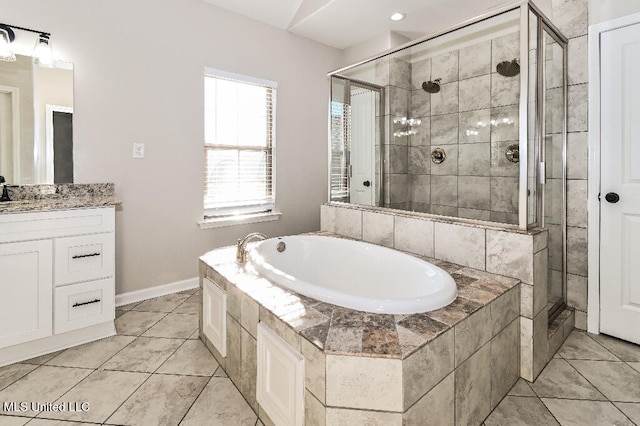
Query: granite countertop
[
  {"x": 50, "y": 204},
  {"x": 32, "y": 198},
  {"x": 338, "y": 330}
]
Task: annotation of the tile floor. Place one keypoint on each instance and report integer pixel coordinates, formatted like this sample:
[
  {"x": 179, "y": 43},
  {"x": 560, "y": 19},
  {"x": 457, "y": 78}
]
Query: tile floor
[{"x": 157, "y": 372}]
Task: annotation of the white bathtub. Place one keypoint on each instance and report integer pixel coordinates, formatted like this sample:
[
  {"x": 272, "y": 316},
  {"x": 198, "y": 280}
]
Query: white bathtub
[{"x": 354, "y": 274}]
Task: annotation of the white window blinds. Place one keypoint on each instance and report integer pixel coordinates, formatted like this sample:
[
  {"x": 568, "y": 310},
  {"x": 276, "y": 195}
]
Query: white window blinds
[{"x": 238, "y": 145}]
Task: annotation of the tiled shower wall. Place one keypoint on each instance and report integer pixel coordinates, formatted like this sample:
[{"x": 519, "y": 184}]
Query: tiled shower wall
[
  {"x": 395, "y": 76},
  {"x": 571, "y": 17},
  {"x": 476, "y": 180}
]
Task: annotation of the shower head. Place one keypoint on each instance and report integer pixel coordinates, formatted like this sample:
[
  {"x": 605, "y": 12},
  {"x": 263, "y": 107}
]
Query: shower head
[
  {"x": 431, "y": 86},
  {"x": 508, "y": 68}
]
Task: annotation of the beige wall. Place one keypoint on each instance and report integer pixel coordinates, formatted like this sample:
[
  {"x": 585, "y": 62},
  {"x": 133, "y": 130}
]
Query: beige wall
[
  {"x": 605, "y": 10},
  {"x": 139, "y": 78}
]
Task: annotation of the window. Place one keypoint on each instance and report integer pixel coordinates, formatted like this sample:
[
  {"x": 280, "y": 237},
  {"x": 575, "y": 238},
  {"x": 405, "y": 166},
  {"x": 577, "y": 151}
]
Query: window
[
  {"x": 238, "y": 145},
  {"x": 340, "y": 131}
]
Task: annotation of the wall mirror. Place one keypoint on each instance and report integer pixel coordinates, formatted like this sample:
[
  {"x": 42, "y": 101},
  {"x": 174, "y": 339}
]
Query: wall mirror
[{"x": 36, "y": 116}]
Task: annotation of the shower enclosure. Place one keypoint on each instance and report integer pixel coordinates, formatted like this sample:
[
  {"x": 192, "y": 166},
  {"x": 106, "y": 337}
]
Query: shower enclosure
[{"x": 469, "y": 123}]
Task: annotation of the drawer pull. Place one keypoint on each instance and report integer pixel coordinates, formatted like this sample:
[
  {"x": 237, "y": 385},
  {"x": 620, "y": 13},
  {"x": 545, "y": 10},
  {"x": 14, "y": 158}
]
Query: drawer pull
[
  {"x": 80, "y": 256},
  {"x": 75, "y": 305}
]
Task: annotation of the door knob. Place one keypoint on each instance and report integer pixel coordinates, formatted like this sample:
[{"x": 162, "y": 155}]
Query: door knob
[
  {"x": 612, "y": 197},
  {"x": 366, "y": 183}
]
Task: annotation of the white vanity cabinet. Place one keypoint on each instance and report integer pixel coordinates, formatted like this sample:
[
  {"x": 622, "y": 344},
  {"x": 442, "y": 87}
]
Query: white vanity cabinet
[
  {"x": 25, "y": 305},
  {"x": 57, "y": 280}
]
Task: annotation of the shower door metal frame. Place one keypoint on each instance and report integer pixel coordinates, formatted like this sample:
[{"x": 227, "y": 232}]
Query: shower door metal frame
[{"x": 543, "y": 25}]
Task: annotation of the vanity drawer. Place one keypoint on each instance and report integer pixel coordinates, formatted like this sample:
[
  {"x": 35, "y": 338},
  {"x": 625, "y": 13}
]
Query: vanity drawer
[
  {"x": 83, "y": 258},
  {"x": 82, "y": 305},
  {"x": 62, "y": 223}
]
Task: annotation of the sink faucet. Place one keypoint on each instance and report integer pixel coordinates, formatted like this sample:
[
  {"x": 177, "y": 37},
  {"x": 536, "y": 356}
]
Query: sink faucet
[{"x": 241, "y": 252}]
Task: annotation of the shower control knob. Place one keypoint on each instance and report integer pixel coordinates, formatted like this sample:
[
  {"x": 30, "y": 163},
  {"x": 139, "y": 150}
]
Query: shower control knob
[
  {"x": 612, "y": 197},
  {"x": 366, "y": 183}
]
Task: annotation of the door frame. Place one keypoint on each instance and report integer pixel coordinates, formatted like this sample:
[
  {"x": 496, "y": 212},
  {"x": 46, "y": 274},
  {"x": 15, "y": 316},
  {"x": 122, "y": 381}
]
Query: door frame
[
  {"x": 48, "y": 144},
  {"x": 593, "y": 218},
  {"x": 14, "y": 92}
]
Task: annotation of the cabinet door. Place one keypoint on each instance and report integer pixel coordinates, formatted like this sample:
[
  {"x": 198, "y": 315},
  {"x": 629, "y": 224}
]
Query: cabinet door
[{"x": 26, "y": 291}]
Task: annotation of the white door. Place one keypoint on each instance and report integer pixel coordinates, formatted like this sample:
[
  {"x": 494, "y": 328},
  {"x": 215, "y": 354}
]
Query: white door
[
  {"x": 620, "y": 175},
  {"x": 363, "y": 136}
]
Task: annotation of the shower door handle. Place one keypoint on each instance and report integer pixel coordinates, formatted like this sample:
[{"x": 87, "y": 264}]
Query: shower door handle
[{"x": 612, "y": 197}]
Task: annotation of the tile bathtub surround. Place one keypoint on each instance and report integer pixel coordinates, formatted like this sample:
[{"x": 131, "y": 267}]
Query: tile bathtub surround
[
  {"x": 411, "y": 354},
  {"x": 508, "y": 252}
]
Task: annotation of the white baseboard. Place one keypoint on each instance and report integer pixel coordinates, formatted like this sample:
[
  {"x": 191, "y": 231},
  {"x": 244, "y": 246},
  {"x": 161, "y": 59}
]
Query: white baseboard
[{"x": 157, "y": 291}]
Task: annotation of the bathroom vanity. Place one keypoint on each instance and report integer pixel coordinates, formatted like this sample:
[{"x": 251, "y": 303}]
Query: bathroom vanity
[{"x": 57, "y": 270}]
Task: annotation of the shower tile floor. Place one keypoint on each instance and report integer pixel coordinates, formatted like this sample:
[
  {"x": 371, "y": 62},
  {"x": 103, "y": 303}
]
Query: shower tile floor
[{"x": 157, "y": 372}]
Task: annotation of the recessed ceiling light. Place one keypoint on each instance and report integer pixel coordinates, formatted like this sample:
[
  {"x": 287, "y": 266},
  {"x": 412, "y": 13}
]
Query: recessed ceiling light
[{"x": 397, "y": 16}]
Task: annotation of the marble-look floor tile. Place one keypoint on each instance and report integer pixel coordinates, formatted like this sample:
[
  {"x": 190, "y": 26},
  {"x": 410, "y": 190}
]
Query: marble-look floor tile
[
  {"x": 580, "y": 346},
  {"x": 520, "y": 411},
  {"x": 192, "y": 358},
  {"x": 145, "y": 354},
  {"x": 49, "y": 422},
  {"x": 39, "y": 360},
  {"x": 13, "y": 372},
  {"x": 561, "y": 380},
  {"x": 104, "y": 391},
  {"x": 190, "y": 291},
  {"x": 179, "y": 326},
  {"x": 128, "y": 306},
  {"x": 220, "y": 373},
  {"x": 119, "y": 313},
  {"x": 93, "y": 354},
  {"x": 635, "y": 365},
  {"x": 161, "y": 400},
  {"x": 579, "y": 413},
  {"x": 521, "y": 388},
  {"x": 189, "y": 306},
  {"x": 631, "y": 410},
  {"x": 162, "y": 304},
  {"x": 624, "y": 350},
  {"x": 134, "y": 323},
  {"x": 616, "y": 380},
  {"x": 44, "y": 384},
  {"x": 220, "y": 404},
  {"x": 13, "y": 421}
]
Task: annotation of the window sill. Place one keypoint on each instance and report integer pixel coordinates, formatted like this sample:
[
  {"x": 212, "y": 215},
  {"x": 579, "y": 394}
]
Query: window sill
[{"x": 238, "y": 220}]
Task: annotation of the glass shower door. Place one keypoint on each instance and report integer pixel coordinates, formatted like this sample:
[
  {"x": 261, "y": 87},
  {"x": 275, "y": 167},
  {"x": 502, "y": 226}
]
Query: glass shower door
[{"x": 553, "y": 152}]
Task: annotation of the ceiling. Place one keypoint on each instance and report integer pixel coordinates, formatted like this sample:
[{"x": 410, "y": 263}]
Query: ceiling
[{"x": 345, "y": 23}]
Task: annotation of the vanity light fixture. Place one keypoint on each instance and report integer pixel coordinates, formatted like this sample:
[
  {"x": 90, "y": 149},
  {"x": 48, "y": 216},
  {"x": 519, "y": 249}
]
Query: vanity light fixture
[
  {"x": 6, "y": 37},
  {"x": 398, "y": 16},
  {"x": 42, "y": 53}
]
